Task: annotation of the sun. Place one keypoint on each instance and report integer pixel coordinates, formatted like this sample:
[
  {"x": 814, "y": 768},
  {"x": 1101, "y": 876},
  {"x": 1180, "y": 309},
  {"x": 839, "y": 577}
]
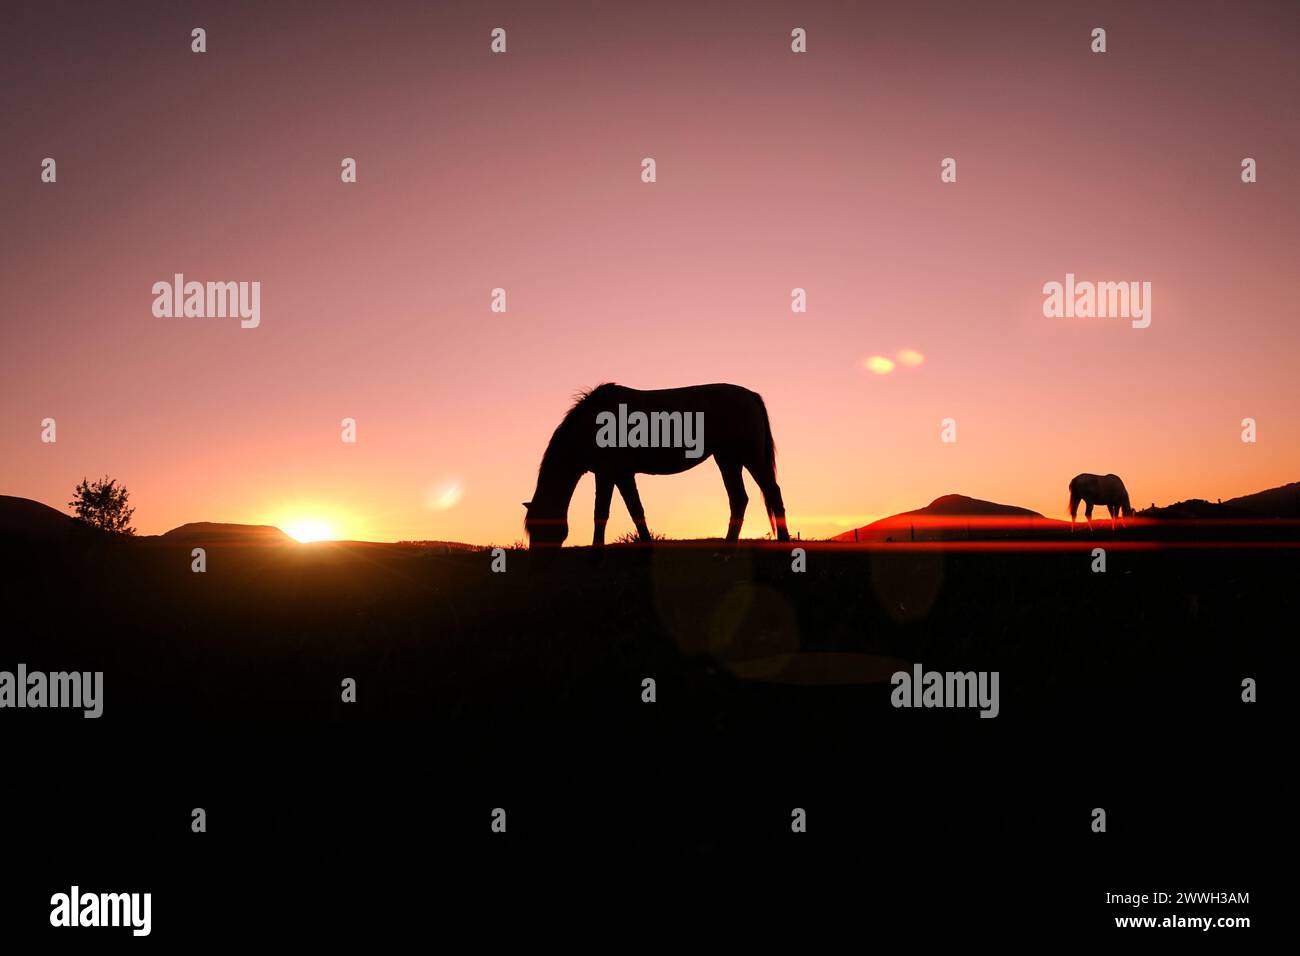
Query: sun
[
  {"x": 309, "y": 529},
  {"x": 309, "y": 520}
]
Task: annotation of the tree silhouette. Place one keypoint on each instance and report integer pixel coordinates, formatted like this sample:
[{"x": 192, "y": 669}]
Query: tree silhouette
[{"x": 102, "y": 504}]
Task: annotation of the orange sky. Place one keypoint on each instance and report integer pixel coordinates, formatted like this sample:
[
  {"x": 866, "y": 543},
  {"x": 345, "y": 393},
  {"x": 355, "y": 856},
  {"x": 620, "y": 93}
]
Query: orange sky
[{"x": 522, "y": 171}]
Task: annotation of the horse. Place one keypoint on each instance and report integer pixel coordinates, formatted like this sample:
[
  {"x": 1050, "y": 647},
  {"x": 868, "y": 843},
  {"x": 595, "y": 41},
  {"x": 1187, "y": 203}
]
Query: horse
[
  {"x": 617, "y": 432},
  {"x": 1105, "y": 490}
]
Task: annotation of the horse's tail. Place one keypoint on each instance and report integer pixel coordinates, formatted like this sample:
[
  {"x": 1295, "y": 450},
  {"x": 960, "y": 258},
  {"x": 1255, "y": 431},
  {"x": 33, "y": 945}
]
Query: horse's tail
[
  {"x": 769, "y": 457},
  {"x": 769, "y": 443}
]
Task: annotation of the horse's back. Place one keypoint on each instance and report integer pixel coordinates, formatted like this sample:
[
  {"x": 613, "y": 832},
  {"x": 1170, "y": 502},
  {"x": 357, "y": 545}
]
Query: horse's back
[
  {"x": 1098, "y": 488},
  {"x": 718, "y": 419},
  {"x": 682, "y": 398},
  {"x": 726, "y": 406}
]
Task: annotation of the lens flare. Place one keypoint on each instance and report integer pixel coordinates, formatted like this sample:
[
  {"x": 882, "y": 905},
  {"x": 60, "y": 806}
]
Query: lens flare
[
  {"x": 444, "y": 495},
  {"x": 910, "y": 357},
  {"x": 879, "y": 364}
]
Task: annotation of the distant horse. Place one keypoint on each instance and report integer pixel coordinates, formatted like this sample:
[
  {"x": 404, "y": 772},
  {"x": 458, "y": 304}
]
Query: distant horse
[
  {"x": 618, "y": 433},
  {"x": 1105, "y": 490}
]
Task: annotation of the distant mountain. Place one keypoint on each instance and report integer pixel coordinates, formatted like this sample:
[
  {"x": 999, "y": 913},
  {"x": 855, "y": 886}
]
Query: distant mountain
[
  {"x": 1282, "y": 502},
  {"x": 951, "y": 516},
  {"x": 220, "y": 533},
  {"x": 962, "y": 505},
  {"x": 24, "y": 518}
]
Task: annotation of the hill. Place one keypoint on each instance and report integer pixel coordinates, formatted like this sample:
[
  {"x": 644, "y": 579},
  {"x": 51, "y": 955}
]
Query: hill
[
  {"x": 24, "y": 518},
  {"x": 950, "y": 516},
  {"x": 222, "y": 533},
  {"x": 1193, "y": 509},
  {"x": 1280, "y": 502}
]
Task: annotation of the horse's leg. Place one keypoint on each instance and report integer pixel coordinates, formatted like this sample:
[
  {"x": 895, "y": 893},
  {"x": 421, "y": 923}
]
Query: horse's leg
[
  {"x": 1074, "y": 511},
  {"x": 604, "y": 494},
  {"x": 1087, "y": 513},
  {"x": 734, "y": 482},
  {"x": 1111, "y": 509},
  {"x": 765, "y": 478},
  {"x": 627, "y": 488}
]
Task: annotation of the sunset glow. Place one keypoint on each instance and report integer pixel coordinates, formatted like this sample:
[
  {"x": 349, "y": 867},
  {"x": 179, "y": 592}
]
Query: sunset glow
[{"x": 925, "y": 298}]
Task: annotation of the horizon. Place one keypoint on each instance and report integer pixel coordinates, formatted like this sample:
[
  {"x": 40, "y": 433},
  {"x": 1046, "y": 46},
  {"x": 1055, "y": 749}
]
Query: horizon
[{"x": 319, "y": 533}]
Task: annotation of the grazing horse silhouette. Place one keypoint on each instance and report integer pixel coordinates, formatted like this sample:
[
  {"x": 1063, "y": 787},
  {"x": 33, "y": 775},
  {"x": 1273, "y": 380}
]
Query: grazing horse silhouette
[
  {"x": 685, "y": 427},
  {"x": 1105, "y": 490}
]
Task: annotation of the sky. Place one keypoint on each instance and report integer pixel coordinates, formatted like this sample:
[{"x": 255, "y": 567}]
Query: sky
[{"x": 523, "y": 171}]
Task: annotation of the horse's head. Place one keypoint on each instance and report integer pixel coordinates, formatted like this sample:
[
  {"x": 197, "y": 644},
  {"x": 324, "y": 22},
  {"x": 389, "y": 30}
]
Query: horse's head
[{"x": 546, "y": 527}]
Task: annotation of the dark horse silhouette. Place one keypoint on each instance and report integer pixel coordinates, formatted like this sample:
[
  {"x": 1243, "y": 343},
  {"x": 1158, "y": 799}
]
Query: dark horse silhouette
[
  {"x": 1105, "y": 490},
  {"x": 686, "y": 427}
]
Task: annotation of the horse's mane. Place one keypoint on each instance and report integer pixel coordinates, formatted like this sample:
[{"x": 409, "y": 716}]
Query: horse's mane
[
  {"x": 562, "y": 430},
  {"x": 559, "y": 443}
]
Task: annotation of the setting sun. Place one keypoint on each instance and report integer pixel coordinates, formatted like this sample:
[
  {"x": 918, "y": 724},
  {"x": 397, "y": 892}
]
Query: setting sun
[
  {"x": 311, "y": 520},
  {"x": 309, "y": 529}
]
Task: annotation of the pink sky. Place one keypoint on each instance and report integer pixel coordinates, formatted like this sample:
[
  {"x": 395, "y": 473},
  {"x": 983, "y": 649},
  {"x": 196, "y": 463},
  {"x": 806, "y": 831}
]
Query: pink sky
[{"x": 522, "y": 171}]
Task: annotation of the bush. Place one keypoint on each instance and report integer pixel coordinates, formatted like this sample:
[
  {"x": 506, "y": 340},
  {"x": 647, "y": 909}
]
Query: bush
[{"x": 102, "y": 504}]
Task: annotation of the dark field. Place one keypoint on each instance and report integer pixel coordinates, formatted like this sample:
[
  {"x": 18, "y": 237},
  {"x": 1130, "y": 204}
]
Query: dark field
[{"x": 522, "y": 690}]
